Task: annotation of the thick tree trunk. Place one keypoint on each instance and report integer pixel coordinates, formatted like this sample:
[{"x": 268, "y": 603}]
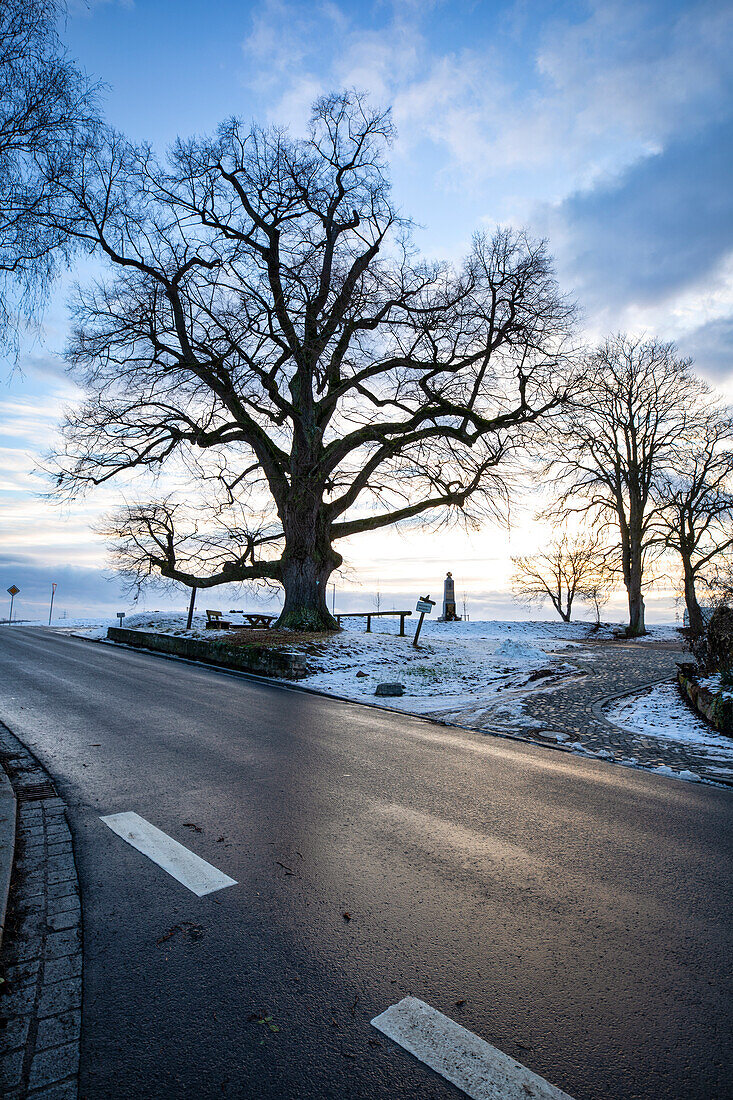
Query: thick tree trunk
[
  {"x": 307, "y": 563},
  {"x": 632, "y": 556},
  {"x": 694, "y": 612}
]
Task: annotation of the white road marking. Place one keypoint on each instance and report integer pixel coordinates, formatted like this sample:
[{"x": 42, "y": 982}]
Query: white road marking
[
  {"x": 480, "y": 1070},
  {"x": 195, "y": 873}
]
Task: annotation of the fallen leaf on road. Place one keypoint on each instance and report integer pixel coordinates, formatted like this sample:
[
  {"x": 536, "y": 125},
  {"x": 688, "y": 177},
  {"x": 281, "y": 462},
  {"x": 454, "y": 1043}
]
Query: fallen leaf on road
[
  {"x": 191, "y": 932},
  {"x": 192, "y": 825},
  {"x": 260, "y": 1018},
  {"x": 346, "y": 915}
]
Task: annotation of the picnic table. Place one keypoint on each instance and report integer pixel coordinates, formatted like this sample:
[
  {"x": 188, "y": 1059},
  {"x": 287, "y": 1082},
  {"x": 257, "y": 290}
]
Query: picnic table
[
  {"x": 369, "y": 615},
  {"x": 252, "y": 619},
  {"x": 257, "y": 621}
]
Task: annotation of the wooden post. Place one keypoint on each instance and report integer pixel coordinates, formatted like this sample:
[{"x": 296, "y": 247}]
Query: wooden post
[
  {"x": 191, "y": 607},
  {"x": 402, "y": 626},
  {"x": 419, "y": 625},
  {"x": 369, "y": 624}
]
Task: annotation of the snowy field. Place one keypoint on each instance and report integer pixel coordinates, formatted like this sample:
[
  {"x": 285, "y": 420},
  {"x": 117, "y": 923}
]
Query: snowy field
[
  {"x": 661, "y": 714},
  {"x": 457, "y": 664}
]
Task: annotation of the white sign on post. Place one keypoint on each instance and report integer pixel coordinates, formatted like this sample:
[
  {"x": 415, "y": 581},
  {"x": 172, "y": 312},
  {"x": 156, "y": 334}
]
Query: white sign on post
[{"x": 426, "y": 606}]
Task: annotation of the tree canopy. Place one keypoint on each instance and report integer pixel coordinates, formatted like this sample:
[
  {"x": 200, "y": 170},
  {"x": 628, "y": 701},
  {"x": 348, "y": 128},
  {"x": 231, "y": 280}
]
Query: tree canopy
[
  {"x": 269, "y": 328},
  {"x": 47, "y": 107}
]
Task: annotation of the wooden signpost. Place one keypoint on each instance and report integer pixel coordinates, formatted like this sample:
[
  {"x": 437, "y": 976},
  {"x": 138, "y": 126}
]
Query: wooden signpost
[{"x": 424, "y": 605}]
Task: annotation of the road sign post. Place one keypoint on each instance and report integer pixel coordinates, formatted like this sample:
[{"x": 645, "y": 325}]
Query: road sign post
[
  {"x": 120, "y": 617},
  {"x": 424, "y": 605},
  {"x": 50, "y": 610},
  {"x": 13, "y": 591}
]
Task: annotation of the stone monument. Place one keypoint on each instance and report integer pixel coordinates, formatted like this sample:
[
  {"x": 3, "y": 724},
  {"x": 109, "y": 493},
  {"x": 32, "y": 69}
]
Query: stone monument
[{"x": 449, "y": 601}]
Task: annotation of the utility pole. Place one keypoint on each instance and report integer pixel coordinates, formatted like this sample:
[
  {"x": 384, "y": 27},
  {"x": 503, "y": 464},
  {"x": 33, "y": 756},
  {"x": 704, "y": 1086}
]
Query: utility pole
[{"x": 50, "y": 610}]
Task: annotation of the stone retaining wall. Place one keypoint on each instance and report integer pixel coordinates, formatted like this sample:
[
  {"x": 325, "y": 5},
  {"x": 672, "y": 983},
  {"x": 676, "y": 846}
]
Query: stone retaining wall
[
  {"x": 255, "y": 658},
  {"x": 713, "y": 707}
]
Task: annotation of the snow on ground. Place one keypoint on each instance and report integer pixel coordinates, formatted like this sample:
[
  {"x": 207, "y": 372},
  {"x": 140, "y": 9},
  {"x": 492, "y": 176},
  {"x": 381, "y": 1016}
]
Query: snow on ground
[
  {"x": 158, "y": 622},
  {"x": 715, "y": 684},
  {"x": 458, "y": 665},
  {"x": 662, "y": 714}
]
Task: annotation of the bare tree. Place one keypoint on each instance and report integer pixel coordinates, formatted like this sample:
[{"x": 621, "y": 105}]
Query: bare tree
[
  {"x": 46, "y": 104},
  {"x": 696, "y": 504},
  {"x": 271, "y": 330},
  {"x": 600, "y": 583},
  {"x": 618, "y": 441},
  {"x": 568, "y": 569}
]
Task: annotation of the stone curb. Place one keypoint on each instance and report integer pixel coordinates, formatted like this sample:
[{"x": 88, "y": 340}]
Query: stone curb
[
  {"x": 41, "y": 956},
  {"x": 7, "y": 843}
]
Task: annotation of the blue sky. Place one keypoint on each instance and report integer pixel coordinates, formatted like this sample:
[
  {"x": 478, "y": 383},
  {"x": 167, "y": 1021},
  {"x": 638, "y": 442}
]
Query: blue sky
[{"x": 605, "y": 126}]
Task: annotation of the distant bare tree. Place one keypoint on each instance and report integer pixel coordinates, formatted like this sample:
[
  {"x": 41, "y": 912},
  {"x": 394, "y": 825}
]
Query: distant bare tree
[
  {"x": 600, "y": 583},
  {"x": 46, "y": 105},
  {"x": 618, "y": 441},
  {"x": 569, "y": 568},
  {"x": 271, "y": 331},
  {"x": 696, "y": 506}
]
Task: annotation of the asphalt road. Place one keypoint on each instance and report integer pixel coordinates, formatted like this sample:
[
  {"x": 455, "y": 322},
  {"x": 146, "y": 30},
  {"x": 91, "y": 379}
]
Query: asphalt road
[{"x": 581, "y": 911}]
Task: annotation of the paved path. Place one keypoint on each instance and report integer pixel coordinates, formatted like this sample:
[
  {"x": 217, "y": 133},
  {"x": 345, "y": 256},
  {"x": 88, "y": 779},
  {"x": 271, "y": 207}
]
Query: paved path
[
  {"x": 571, "y": 914},
  {"x": 572, "y": 706}
]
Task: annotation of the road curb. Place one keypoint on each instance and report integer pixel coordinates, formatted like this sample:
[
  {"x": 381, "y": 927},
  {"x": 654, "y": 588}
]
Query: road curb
[
  {"x": 41, "y": 954},
  {"x": 7, "y": 843}
]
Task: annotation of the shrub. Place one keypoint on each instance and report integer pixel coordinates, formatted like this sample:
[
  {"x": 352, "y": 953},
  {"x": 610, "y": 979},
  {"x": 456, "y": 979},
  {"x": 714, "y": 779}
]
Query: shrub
[{"x": 713, "y": 647}]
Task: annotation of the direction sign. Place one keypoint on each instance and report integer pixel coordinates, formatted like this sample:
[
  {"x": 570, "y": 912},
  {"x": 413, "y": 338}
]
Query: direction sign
[
  {"x": 13, "y": 591},
  {"x": 426, "y": 606}
]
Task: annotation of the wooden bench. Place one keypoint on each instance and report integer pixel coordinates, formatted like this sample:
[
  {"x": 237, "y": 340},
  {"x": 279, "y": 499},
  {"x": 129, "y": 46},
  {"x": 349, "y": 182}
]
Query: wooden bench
[
  {"x": 369, "y": 615},
  {"x": 214, "y": 621}
]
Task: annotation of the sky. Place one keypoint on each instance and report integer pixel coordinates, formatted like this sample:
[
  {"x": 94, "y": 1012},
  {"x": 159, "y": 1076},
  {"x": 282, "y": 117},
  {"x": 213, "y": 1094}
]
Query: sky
[{"x": 605, "y": 126}]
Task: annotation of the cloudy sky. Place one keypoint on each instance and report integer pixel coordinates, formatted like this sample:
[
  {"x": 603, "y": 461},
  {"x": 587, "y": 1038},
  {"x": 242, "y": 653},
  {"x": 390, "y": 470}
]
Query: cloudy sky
[{"x": 607, "y": 127}]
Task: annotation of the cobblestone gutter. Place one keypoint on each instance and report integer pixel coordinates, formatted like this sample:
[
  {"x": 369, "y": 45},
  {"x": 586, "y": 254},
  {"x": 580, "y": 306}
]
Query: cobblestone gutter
[{"x": 41, "y": 956}]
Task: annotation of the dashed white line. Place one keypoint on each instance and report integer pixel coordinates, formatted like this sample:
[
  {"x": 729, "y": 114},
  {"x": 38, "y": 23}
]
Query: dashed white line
[
  {"x": 185, "y": 866},
  {"x": 480, "y": 1070}
]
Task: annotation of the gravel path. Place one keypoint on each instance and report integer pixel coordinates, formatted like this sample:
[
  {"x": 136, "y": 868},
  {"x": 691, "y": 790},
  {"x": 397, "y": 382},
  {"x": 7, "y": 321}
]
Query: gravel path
[{"x": 569, "y": 709}]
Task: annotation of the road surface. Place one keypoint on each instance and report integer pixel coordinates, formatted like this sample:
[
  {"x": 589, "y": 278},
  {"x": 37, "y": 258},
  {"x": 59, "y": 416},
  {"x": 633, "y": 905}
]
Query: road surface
[{"x": 573, "y": 914}]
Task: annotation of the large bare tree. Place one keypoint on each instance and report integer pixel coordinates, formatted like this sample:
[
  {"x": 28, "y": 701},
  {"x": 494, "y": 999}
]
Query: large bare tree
[
  {"x": 46, "y": 104},
  {"x": 271, "y": 337},
  {"x": 619, "y": 440},
  {"x": 696, "y": 499}
]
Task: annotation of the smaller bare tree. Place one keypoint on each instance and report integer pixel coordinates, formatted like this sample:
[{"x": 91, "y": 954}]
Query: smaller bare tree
[
  {"x": 600, "y": 584},
  {"x": 569, "y": 568},
  {"x": 696, "y": 517}
]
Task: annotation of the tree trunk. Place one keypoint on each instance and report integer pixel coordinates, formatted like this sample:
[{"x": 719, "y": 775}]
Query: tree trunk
[
  {"x": 633, "y": 573},
  {"x": 307, "y": 563},
  {"x": 694, "y": 612}
]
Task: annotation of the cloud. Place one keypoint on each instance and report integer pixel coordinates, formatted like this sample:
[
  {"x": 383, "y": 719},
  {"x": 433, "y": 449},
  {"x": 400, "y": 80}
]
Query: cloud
[
  {"x": 711, "y": 346},
  {"x": 664, "y": 225},
  {"x": 567, "y": 103},
  {"x": 81, "y": 591}
]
